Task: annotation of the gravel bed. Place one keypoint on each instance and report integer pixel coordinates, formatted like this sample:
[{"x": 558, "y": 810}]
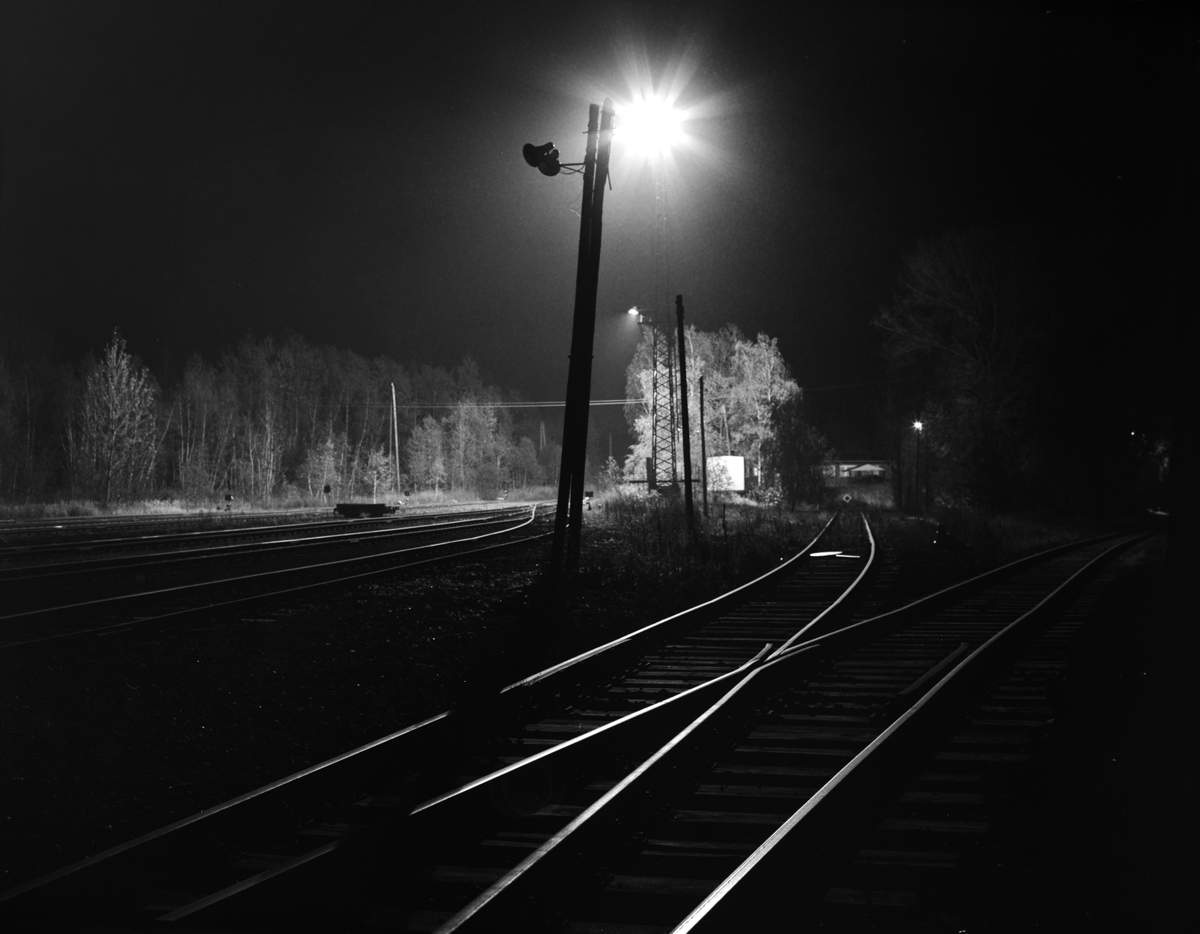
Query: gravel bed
[{"x": 104, "y": 744}]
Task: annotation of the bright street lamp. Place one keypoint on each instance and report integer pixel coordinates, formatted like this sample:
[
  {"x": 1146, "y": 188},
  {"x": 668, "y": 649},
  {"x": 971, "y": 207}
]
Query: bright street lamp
[{"x": 650, "y": 126}]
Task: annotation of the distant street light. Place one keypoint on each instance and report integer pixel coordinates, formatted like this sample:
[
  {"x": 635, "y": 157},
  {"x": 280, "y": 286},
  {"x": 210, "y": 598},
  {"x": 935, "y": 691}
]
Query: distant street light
[{"x": 919, "y": 426}]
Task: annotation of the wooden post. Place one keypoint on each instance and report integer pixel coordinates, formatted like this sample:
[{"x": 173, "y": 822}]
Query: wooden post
[
  {"x": 562, "y": 515},
  {"x": 703, "y": 452},
  {"x": 396, "y": 446},
  {"x": 587, "y": 326},
  {"x": 569, "y": 518}
]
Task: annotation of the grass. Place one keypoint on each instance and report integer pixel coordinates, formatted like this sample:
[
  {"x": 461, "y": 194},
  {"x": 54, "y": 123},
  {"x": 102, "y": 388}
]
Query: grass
[
  {"x": 990, "y": 538},
  {"x": 1009, "y": 535},
  {"x": 70, "y": 509},
  {"x": 643, "y": 541}
]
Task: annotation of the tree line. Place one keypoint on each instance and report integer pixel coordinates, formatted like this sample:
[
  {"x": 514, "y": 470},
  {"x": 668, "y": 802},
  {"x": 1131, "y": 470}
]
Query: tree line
[
  {"x": 1020, "y": 408},
  {"x": 269, "y": 419}
]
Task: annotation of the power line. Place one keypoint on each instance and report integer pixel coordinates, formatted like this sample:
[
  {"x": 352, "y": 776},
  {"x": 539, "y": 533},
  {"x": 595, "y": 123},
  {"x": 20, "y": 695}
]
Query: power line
[
  {"x": 561, "y": 403},
  {"x": 479, "y": 405}
]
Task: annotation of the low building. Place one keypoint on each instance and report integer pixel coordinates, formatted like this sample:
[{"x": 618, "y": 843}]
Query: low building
[{"x": 843, "y": 470}]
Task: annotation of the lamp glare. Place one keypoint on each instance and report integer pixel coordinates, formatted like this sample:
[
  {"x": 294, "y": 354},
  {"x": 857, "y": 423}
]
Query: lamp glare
[{"x": 650, "y": 125}]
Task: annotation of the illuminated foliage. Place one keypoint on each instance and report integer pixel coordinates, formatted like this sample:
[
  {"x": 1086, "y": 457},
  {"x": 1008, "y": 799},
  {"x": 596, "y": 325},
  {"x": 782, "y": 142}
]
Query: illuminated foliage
[
  {"x": 113, "y": 437},
  {"x": 743, "y": 379}
]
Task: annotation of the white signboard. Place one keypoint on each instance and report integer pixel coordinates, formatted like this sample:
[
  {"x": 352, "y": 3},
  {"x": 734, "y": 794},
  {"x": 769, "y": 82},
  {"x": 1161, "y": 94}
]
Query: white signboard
[{"x": 727, "y": 473}]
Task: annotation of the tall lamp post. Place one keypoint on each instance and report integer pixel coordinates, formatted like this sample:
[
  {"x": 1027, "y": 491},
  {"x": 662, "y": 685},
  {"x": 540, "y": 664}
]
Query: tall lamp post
[{"x": 568, "y": 520}]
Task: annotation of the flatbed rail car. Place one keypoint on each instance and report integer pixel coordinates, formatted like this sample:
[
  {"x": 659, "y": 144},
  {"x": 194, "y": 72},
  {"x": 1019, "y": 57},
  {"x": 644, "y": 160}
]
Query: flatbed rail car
[{"x": 365, "y": 510}]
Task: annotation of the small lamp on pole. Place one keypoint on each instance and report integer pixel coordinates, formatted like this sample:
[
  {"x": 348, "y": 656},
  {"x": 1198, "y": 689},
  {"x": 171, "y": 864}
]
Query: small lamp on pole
[{"x": 919, "y": 426}]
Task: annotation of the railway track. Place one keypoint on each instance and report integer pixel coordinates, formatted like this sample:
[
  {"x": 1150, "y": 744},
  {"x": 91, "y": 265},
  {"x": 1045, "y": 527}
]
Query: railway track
[
  {"x": 732, "y": 821},
  {"x": 43, "y": 606},
  {"x": 145, "y": 539},
  {"x": 665, "y": 796},
  {"x": 267, "y": 830},
  {"x": 771, "y": 763},
  {"x": 18, "y": 533},
  {"x": 921, "y": 860}
]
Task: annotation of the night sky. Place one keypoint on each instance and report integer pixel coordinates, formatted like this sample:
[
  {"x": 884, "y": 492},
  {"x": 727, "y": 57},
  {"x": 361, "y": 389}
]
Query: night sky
[{"x": 195, "y": 171}]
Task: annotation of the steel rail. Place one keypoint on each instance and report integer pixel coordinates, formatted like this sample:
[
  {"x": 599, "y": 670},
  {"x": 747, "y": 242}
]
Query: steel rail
[
  {"x": 360, "y": 525},
  {"x": 714, "y": 606},
  {"x": 626, "y": 787},
  {"x": 637, "y": 729},
  {"x": 646, "y": 719},
  {"x": 121, "y": 562},
  {"x": 518, "y": 884},
  {"x": 900, "y": 615},
  {"x": 69, "y": 528},
  {"x": 201, "y": 585},
  {"x": 730, "y": 904},
  {"x": 67, "y": 523},
  {"x": 11, "y": 648},
  {"x": 56, "y": 523},
  {"x": 111, "y": 861}
]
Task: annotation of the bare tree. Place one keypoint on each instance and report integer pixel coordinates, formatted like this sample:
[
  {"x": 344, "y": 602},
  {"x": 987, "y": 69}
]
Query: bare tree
[{"x": 113, "y": 437}]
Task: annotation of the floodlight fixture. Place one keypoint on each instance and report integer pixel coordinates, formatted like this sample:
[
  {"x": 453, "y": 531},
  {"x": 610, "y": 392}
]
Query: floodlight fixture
[{"x": 650, "y": 125}]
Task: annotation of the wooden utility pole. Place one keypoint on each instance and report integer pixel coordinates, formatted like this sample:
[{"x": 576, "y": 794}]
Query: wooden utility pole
[
  {"x": 396, "y": 444},
  {"x": 568, "y": 521},
  {"x": 703, "y": 452}
]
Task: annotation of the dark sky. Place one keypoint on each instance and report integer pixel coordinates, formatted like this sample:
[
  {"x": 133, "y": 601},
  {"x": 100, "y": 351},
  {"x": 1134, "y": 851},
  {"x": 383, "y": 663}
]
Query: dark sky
[{"x": 193, "y": 171}]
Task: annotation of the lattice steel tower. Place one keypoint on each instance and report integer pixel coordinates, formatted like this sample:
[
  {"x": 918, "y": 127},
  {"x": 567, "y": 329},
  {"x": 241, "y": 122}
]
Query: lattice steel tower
[{"x": 664, "y": 463}]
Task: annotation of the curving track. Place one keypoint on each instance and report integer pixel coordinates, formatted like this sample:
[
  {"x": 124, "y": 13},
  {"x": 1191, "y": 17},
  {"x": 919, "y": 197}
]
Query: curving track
[
  {"x": 726, "y": 825},
  {"x": 679, "y": 779},
  {"x": 275, "y": 828}
]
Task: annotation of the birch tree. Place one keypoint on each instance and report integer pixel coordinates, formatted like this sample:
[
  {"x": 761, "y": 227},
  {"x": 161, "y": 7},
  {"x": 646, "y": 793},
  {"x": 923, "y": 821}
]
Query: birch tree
[
  {"x": 744, "y": 381},
  {"x": 426, "y": 454},
  {"x": 113, "y": 437}
]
